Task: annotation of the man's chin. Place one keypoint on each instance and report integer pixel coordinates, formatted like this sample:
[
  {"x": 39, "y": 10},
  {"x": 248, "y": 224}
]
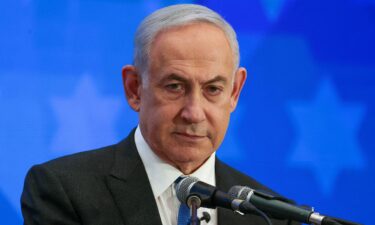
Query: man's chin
[
  {"x": 190, "y": 160},
  {"x": 188, "y": 167}
]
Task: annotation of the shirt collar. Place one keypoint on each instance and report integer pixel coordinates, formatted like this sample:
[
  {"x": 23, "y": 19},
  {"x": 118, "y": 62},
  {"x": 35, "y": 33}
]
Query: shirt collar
[{"x": 161, "y": 174}]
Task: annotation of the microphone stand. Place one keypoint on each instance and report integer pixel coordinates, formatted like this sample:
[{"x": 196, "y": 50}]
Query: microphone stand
[{"x": 194, "y": 202}]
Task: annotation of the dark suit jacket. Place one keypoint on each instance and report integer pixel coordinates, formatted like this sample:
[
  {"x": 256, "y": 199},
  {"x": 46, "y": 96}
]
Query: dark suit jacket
[{"x": 109, "y": 186}]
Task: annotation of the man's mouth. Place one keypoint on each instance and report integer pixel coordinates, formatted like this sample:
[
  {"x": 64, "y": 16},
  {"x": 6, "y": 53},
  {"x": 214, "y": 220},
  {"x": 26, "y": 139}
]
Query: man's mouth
[{"x": 189, "y": 136}]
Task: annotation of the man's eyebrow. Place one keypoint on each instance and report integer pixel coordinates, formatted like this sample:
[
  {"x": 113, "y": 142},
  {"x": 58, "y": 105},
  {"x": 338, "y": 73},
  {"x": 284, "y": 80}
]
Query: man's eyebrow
[
  {"x": 174, "y": 76},
  {"x": 218, "y": 78}
]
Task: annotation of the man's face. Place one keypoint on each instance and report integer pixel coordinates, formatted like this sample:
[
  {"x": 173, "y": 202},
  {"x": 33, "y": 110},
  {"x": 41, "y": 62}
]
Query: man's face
[{"x": 185, "y": 105}]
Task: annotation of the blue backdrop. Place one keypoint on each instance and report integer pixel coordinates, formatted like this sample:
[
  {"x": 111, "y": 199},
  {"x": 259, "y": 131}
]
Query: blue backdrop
[{"x": 304, "y": 125}]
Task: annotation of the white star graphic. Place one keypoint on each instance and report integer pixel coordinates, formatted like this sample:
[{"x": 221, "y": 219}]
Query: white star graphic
[
  {"x": 86, "y": 119},
  {"x": 327, "y": 136}
]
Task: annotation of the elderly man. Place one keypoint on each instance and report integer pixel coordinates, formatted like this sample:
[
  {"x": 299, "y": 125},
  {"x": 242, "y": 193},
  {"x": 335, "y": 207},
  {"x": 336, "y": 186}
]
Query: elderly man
[{"x": 184, "y": 83}]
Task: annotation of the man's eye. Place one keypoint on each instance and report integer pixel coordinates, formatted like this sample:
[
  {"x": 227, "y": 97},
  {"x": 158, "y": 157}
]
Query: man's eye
[
  {"x": 175, "y": 87},
  {"x": 213, "y": 90}
]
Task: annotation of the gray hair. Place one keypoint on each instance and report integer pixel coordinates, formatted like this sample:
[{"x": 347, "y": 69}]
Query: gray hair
[{"x": 174, "y": 16}]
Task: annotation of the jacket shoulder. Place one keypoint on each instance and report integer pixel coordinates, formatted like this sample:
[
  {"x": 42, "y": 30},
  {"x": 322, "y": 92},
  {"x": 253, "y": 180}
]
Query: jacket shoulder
[{"x": 91, "y": 161}]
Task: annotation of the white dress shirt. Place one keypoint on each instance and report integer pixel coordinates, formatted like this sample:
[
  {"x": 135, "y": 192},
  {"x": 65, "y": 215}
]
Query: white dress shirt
[{"x": 162, "y": 176}]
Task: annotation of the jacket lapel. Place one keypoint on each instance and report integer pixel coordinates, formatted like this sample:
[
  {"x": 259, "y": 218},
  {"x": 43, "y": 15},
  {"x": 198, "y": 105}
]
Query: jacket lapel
[{"x": 130, "y": 187}]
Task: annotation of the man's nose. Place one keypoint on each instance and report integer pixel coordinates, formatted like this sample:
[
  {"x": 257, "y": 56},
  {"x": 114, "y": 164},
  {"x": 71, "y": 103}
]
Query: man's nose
[{"x": 193, "y": 109}]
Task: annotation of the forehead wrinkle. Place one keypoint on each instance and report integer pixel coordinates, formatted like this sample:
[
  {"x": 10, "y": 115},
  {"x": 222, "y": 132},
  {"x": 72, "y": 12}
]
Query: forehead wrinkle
[{"x": 178, "y": 61}]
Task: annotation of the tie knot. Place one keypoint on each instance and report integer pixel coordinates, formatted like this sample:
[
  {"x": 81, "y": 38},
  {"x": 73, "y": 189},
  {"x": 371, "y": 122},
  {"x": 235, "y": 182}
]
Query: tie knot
[{"x": 179, "y": 179}]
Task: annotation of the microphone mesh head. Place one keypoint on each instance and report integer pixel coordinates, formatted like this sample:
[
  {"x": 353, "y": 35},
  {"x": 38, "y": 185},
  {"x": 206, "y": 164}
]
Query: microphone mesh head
[
  {"x": 183, "y": 188},
  {"x": 239, "y": 192}
]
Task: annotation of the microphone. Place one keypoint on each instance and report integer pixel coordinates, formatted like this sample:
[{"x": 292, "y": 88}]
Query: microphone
[
  {"x": 210, "y": 196},
  {"x": 190, "y": 188},
  {"x": 279, "y": 209}
]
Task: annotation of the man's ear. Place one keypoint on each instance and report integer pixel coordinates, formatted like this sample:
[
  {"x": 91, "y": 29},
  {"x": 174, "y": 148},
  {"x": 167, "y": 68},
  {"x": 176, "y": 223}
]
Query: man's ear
[
  {"x": 239, "y": 81},
  {"x": 132, "y": 85}
]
